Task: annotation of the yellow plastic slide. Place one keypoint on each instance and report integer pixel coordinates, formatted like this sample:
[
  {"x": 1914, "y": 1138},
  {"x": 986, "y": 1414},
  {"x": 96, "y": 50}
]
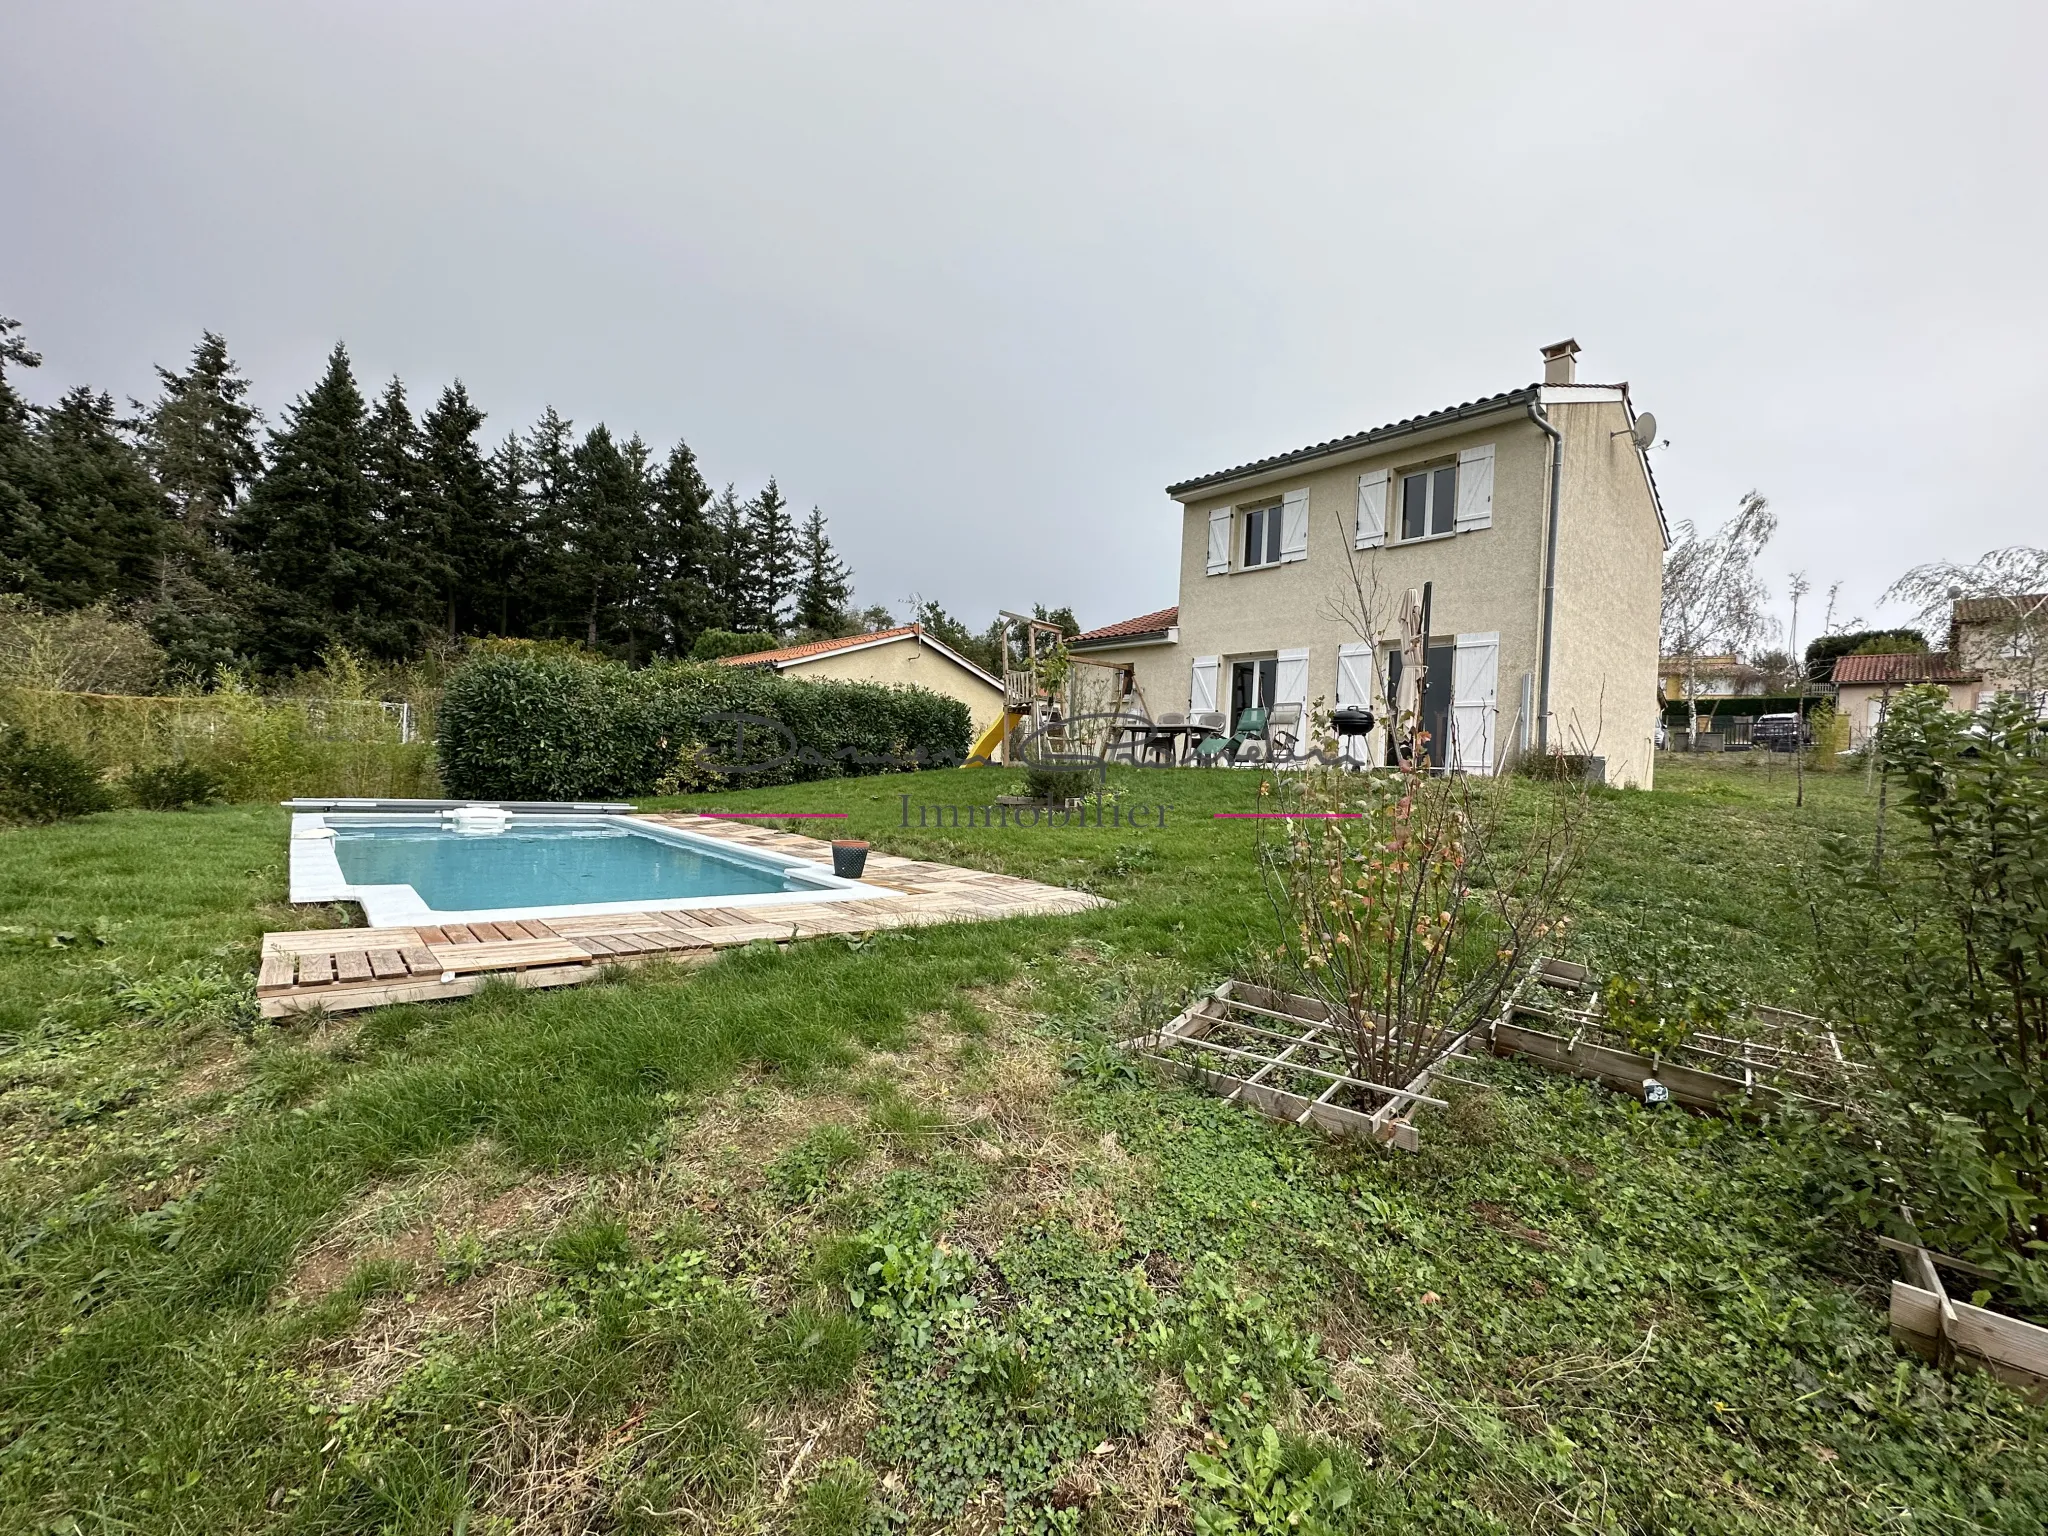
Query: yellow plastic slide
[{"x": 994, "y": 737}]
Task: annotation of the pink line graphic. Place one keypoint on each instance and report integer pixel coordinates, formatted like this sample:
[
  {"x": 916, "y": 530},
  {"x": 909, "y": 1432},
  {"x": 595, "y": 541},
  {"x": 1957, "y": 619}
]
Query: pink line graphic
[
  {"x": 769, "y": 815},
  {"x": 1286, "y": 815}
]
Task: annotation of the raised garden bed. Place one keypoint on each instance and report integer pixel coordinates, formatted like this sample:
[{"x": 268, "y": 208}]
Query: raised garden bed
[
  {"x": 1283, "y": 1055},
  {"x": 1925, "y": 1320},
  {"x": 1555, "y": 1019}
]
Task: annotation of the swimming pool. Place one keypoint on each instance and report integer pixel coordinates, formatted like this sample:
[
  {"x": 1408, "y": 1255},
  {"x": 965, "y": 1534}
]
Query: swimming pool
[{"x": 476, "y": 866}]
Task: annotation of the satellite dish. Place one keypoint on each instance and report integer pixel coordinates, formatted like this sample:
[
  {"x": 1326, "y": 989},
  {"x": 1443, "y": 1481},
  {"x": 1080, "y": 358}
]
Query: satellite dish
[{"x": 1645, "y": 433}]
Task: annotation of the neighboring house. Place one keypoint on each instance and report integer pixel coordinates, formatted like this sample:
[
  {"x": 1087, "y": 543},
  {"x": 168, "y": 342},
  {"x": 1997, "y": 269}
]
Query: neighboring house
[
  {"x": 1865, "y": 684},
  {"x": 2004, "y": 640},
  {"x": 1116, "y": 645},
  {"x": 1718, "y": 677},
  {"x": 1545, "y": 572},
  {"x": 905, "y": 654}
]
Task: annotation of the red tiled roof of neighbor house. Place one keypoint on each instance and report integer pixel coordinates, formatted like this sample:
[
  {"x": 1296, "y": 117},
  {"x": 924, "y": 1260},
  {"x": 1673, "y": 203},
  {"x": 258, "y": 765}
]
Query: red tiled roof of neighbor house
[
  {"x": 817, "y": 647},
  {"x": 1976, "y": 610},
  {"x": 1131, "y": 629},
  {"x": 1901, "y": 667}
]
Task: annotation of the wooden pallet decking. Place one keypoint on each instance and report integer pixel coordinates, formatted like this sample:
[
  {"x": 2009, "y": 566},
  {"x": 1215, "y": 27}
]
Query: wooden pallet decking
[{"x": 336, "y": 969}]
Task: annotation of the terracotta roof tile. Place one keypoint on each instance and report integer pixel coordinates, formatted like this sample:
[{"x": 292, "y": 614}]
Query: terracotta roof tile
[
  {"x": 1901, "y": 667},
  {"x": 817, "y": 647},
  {"x": 1130, "y": 629},
  {"x": 1977, "y": 610}
]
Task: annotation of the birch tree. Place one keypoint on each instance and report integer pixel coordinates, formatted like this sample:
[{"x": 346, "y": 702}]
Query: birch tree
[
  {"x": 1713, "y": 598},
  {"x": 2008, "y": 593}
]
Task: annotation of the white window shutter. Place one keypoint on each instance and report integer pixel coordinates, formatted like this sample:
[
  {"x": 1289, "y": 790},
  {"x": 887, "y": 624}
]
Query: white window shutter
[
  {"x": 1372, "y": 510},
  {"x": 1475, "y": 684},
  {"x": 1202, "y": 685},
  {"x": 1354, "y": 675},
  {"x": 1294, "y": 525},
  {"x": 1219, "y": 542},
  {"x": 1475, "y": 488},
  {"x": 1290, "y": 679}
]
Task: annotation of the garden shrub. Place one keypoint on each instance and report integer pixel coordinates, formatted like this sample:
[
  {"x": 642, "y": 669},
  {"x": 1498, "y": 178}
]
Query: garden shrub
[
  {"x": 1829, "y": 728},
  {"x": 1058, "y": 785},
  {"x": 1937, "y": 959},
  {"x": 173, "y": 786},
  {"x": 714, "y": 643},
  {"x": 256, "y": 748},
  {"x": 1554, "y": 766},
  {"x": 46, "y": 781},
  {"x": 536, "y": 726}
]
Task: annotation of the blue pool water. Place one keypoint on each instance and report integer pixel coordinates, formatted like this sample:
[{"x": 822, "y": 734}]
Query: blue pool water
[{"x": 546, "y": 866}]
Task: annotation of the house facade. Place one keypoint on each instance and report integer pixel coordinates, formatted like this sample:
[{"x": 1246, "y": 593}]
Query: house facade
[
  {"x": 2004, "y": 641},
  {"x": 1716, "y": 677},
  {"x": 903, "y": 655},
  {"x": 1864, "y": 685},
  {"x": 1531, "y": 515}
]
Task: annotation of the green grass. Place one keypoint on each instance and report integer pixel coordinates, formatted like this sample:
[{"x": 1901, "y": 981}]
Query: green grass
[{"x": 1081, "y": 1277}]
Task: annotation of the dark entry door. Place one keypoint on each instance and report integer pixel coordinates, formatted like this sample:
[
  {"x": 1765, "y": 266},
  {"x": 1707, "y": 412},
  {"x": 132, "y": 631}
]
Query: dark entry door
[
  {"x": 1436, "y": 703},
  {"x": 1251, "y": 686}
]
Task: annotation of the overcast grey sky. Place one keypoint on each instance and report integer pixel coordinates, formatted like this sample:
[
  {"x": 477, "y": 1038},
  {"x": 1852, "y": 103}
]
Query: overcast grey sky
[{"x": 979, "y": 280}]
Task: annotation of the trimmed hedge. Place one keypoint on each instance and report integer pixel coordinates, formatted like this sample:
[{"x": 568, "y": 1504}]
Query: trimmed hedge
[{"x": 535, "y": 726}]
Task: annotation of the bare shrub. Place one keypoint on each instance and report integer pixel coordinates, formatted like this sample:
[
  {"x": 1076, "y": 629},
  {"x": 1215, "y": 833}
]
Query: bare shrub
[{"x": 1407, "y": 898}]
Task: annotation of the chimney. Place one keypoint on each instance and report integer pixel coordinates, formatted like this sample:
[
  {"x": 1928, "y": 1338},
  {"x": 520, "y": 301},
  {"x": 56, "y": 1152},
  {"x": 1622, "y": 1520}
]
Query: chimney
[{"x": 1561, "y": 362}]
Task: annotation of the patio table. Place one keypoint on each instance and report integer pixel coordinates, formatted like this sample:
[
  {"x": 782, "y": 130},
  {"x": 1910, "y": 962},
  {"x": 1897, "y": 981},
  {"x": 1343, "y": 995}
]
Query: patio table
[{"x": 1177, "y": 734}]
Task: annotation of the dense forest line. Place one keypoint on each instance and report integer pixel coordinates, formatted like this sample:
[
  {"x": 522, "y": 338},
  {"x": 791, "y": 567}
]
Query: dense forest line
[{"x": 356, "y": 522}]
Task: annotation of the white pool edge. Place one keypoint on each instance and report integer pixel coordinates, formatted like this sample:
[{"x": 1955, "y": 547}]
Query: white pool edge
[{"x": 315, "y": 876}]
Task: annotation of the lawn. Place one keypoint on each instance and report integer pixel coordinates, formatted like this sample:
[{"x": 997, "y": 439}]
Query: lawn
[{"x": 883, "y": 1232}]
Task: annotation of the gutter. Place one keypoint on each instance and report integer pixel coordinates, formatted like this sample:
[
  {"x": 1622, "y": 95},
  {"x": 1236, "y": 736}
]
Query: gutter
[{"x": 1549, "y": 572}]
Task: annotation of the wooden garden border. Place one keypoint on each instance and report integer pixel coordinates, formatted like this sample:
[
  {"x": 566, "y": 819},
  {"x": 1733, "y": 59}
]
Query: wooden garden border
[
  {"x": 1294, "y": 1035},
  {"x": 1927, "y": 1322},
  {"x": 1627, "y": 1071}
]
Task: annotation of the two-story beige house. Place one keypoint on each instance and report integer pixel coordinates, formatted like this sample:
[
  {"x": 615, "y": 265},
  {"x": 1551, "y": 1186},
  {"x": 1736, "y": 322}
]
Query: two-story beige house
[{"x": 1532, "y": 515}]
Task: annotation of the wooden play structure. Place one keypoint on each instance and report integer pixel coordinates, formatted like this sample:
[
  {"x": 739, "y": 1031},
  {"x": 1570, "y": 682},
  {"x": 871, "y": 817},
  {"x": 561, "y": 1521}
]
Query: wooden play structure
[{"x": 1034, "y": 690}]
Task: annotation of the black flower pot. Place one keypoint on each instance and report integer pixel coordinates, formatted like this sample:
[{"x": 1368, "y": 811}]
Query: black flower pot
[{"x": 849, "y": 858}]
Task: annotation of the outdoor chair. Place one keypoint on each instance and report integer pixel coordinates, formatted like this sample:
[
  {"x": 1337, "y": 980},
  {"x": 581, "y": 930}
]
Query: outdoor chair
[
  {"x": 1163, "y": 741},
  {"x": 1283, "y": 732},
  {"x": 1200, "y": 728},
  {"x": 1251, "y": 726},
  {"x": 1129, "y": 736}
]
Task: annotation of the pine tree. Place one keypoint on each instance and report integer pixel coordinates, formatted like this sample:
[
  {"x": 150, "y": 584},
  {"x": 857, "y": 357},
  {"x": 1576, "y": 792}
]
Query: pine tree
[
  {"x": 406, "y": 556},
  {"x": 511, "y": 473},
  {"x": 547, "y": 599},
  {"x": 19, "y": 452},
  {"x": 464, "y": 512},
  {"x": 732, "y": 563},
  {"x": 200, "y": 440},
  {"x": 310, "y": 536},
  {"x": 682, "y": 554},
  {"x": 95, "y": 520},
  {"x": 826, "y": 583},
  {"x": 606, "y": 510},
  {"x": 773, "y": 566}
]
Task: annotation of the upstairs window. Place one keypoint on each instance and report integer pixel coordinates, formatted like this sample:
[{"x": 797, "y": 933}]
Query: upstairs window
[
  {"x": 1262, "y": 536},
  {"x": 1429, "y": 502}
]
